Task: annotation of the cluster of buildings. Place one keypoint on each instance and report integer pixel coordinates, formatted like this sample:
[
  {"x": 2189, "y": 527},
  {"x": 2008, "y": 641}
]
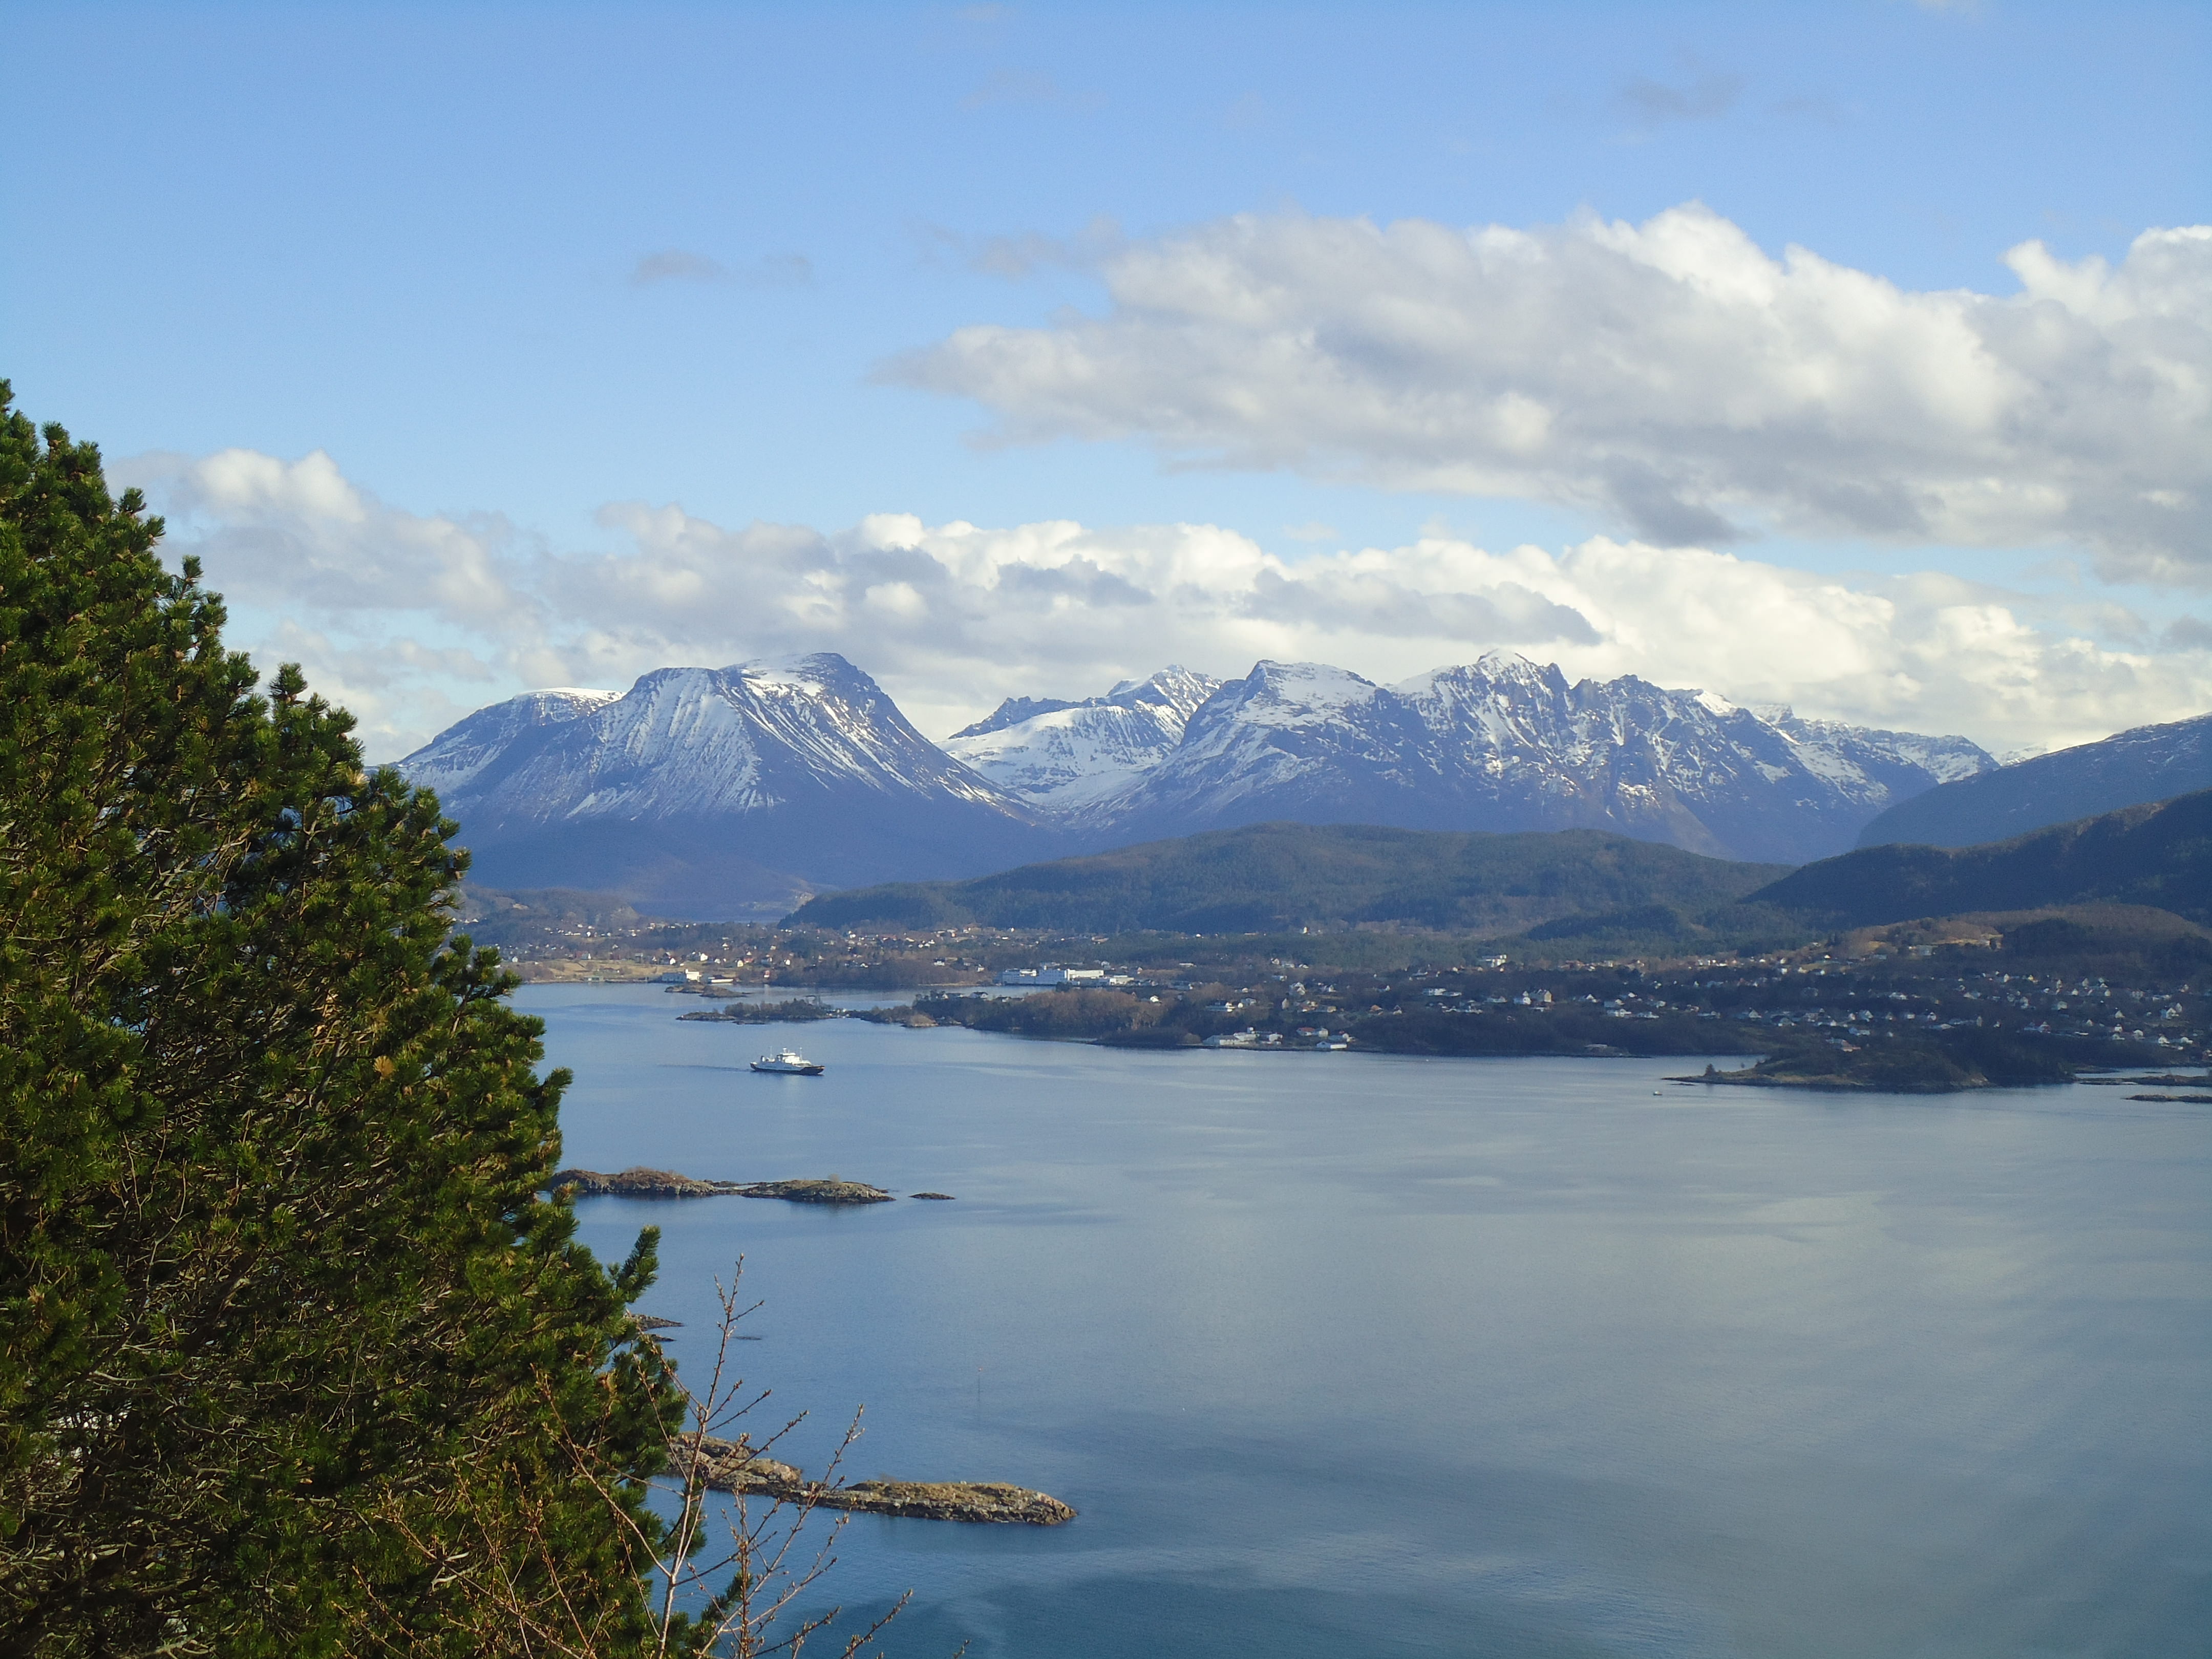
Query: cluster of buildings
[{"x": 1044, "y": 979}]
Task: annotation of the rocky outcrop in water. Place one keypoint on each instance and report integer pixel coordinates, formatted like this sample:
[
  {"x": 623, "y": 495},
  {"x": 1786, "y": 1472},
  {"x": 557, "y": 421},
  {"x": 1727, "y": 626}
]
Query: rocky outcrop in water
[
  {"x": 731, "y": 1465},
  {"x": 666, "y": 1184},
  {"x": 949, "y": 1500},
  {"x": 734, "y": 1466},
  {"x": 828, "y": 1191},
  {"x": 638, "y": 1182}
]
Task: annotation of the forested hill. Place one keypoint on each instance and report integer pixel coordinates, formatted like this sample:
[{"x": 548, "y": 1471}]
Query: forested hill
[
  {"x": 2160, "y": 855},
  {"x": 1271, "y": 877}
]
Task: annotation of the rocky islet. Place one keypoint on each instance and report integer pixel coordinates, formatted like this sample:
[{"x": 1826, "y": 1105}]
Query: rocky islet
[
  {"x": 735, "y": 1466},
  {"x": 642, "y": 1182}
]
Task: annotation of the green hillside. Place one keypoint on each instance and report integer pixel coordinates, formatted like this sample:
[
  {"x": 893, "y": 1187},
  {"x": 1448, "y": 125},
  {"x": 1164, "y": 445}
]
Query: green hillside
[
  {"x": 2159, "y": 856},
  {"x": 1271, "y": 877}
]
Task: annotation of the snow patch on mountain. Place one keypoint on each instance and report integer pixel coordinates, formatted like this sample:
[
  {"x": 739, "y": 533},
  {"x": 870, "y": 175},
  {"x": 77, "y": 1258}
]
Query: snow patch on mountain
[
  {"x": 1072, "y": 758},
  {"x": 1507, "y": 744},
  {"x": 717, "y": 791},
  {"x": 452, "y": 759},
  {"x": 689, "y": 743}
]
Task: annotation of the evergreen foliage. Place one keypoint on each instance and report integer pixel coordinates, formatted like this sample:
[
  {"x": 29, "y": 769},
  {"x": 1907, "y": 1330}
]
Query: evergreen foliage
[{"x": 293, "y": 1360}]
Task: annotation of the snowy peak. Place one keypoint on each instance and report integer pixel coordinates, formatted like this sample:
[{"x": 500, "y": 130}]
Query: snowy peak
[
  {"x": 1290, "y": 694},
  {"x": 1073, "y": 758},
  {"x": 1175, "y": 689},
  {"x": 839, "y": 723},
  {"x": 1494, "y": 674},
  {"x": 689, "y": 742},
  {"x": 708, "y": 791},
  {"x": 450, "y": 760},
  {"x": 1013, "y": 712},
  {"x": 1505, "y": 742},
  {"x": 1295, "y": 740},
  {"x": 1946, "y": 760}
]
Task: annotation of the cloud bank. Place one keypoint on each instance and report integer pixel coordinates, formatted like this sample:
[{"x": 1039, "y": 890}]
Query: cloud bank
[
  {"x": 1671, "y": 375},
  {"x": 412, "y": 620}
]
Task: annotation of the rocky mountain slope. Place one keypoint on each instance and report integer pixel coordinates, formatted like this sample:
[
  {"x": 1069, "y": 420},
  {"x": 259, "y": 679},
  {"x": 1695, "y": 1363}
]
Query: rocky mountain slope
[
  {"x": 2149, "y": 764},
  {"x": 1073, "y": 759},
  {"x": 717, "y": 791},
  {"x": 1505, "y": 744}
]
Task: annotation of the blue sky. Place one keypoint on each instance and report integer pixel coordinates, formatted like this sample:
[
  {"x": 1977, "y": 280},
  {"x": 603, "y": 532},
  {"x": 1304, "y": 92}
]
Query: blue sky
[{"x": 505, "y": 266}]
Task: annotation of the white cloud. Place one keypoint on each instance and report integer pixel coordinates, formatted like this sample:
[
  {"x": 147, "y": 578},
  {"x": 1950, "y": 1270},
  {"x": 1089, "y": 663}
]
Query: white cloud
[
  {"x": 1672, "y": 374},
  {"x": 304, "y": 526},
  {"x": 412, "y": 620}
]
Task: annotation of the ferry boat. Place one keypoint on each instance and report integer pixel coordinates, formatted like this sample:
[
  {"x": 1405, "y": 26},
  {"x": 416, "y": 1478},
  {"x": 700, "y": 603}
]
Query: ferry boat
[{"x": 788, "y": 1064}]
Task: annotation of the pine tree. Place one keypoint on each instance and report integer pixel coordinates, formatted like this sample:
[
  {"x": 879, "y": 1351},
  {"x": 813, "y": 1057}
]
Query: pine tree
[{"x": 294, "y": 1360}]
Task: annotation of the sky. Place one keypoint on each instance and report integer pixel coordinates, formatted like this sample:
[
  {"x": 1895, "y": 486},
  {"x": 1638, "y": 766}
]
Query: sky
[{"x": 1853, "y": 355}]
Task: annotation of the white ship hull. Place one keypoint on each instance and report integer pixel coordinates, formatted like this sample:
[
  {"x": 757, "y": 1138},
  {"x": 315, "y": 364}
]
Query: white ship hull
[{"x": 788, "y": 1064}]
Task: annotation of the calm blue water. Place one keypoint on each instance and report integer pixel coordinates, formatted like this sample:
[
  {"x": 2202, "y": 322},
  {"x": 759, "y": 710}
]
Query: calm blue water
[{"x": 1347, "y": 1355}]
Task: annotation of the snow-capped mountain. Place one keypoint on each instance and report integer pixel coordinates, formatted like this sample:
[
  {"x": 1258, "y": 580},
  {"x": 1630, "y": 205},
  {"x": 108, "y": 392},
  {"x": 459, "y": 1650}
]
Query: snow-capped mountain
[
  {"x": 712, "y": 791},
  {"x": 1069, "y": 758},
  {"x": 1506, "y": 743},
  {"x": 451, "y": 762},
  {"x": 719, "y": 792}
]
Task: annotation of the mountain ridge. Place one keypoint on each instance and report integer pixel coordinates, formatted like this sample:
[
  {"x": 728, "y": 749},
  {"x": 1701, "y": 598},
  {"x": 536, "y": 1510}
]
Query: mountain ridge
[
  {"x": 1065, "y": 756},
  {"x": 1281, "y": 877},
  {"x": 1505, "y": 744},
  {"x": 2158, "y": 854},
  {"x": 2134, "y": 768},
  {"x": 741, "y": 790}
]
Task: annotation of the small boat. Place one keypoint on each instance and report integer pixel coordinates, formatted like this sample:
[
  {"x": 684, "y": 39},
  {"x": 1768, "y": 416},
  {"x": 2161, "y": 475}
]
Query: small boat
[{"x": 788, "y": 1064}]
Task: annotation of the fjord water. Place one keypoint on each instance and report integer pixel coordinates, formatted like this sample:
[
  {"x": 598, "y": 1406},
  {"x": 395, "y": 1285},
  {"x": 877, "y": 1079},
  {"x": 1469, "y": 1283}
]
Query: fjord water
[{"x": 1352, "y": 1355}]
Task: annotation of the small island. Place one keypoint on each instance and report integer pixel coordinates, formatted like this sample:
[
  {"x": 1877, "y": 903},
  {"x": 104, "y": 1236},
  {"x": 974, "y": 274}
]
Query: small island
[
  {"x": 766, "y": 1013},
  {"x": 634, "y": 1183},
  {"x": 641, "y": 1182},
  {"x": 1945, "y": 1062},
  {"x": 734, "y": 1466},
  {"x": 828, "y": 1190}
]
